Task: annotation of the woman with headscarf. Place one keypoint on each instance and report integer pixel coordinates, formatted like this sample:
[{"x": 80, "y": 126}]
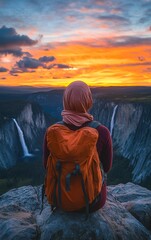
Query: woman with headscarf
[{"x": 77, "y": 100}]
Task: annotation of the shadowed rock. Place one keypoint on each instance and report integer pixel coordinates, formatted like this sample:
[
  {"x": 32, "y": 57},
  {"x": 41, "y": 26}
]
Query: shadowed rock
[
  {"x": 136, "y": 199},
  {"x": 21, "y": 219}
]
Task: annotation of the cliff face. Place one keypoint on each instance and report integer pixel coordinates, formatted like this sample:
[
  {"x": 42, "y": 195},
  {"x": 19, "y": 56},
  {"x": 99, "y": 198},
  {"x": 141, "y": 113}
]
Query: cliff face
[
  {"x": 9, "y": 145},
  {"x": 126, "y": 215},
  {"x": 130, "y": 126},
  {"x": 33, "y": 124},
  {"x": 22, "y": 135},
  {"x": 132, "y": 136}
]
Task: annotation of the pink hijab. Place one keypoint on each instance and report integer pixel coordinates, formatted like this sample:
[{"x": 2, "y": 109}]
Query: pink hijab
[{"x": 77, "y": 100}]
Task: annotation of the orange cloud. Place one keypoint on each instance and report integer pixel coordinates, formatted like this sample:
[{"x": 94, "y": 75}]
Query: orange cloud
[{"x": 98, "y": 66}]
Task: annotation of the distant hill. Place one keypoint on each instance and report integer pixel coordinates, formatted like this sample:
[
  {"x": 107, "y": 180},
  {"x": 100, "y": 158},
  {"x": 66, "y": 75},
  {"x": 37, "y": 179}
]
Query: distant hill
[
  {"x": 22, "y": 89},
  {"x": 102, "y": 90}
]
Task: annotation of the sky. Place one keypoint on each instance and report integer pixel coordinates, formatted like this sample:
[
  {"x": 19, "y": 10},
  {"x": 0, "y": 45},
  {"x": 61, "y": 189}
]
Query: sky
[{"x": 54, "y": 42}]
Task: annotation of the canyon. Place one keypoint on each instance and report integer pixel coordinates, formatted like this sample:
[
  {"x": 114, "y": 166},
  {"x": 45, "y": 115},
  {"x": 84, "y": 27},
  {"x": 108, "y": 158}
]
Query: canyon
[{"x": 126, "y": 113}]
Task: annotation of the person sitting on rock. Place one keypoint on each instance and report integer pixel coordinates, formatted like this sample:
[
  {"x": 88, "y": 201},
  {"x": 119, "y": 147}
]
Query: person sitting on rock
[{"x": 77, "y": 153}]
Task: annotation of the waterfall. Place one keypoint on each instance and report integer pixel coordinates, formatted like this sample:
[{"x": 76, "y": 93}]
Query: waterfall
[
  {"x": 22, "y": 140},
  {"x": 112, "y": 119}
]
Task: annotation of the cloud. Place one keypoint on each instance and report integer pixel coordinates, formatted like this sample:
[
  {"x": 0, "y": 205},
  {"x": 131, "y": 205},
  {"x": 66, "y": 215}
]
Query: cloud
[
  {"x": 129, "y": 41},
  {"x": 17, "y": 52},
  {"x": 3, "y": 69},
  {"x": 58, "y": 65},
  {"x": 11, "y": 42},
  {"x": 114, "y": 19},
  {"x": 33, "y": 63},
  {"x": 10, "y": 38},
  {"x": 136, "y": 64},
  {"x": 46, "y": 59},
  {"x": 16, "y": 70},
  {"x": 61, "y": 65},
  {"x": 28, "y": 62},
  {"x": 106, "y": 42}
]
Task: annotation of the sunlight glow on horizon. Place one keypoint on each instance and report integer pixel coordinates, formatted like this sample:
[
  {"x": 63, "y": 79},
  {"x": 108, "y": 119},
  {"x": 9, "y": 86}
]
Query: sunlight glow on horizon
[{"x": 96, "y": 66}]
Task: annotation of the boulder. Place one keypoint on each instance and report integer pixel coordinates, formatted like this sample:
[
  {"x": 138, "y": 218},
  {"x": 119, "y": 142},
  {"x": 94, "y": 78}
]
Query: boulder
[
  {"x": 136, "y": 199},
  {"x": 20, "y": 218}
]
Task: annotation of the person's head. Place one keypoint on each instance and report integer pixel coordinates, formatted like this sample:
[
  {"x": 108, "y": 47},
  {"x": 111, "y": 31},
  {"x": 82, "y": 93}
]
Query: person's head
[{"x": 77, "y": 97}]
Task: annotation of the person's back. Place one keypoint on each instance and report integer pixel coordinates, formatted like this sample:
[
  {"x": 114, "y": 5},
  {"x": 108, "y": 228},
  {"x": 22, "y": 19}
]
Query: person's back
[{"x": 73, "y": 150}]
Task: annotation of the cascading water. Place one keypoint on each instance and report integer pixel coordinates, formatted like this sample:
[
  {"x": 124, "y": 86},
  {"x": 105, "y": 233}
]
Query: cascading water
[
  {"x": 112, "y": 120},
  {"x": 22, "y": 140}
]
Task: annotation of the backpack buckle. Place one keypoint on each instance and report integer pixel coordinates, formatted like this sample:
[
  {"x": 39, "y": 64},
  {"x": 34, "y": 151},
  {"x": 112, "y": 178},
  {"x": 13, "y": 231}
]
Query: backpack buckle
[{"x": 75, "y": 172}]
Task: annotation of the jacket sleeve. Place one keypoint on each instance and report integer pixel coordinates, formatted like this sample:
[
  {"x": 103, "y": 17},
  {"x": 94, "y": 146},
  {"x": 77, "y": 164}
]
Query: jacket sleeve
[
  {"x": 45, "y": 151},
  {"x": 104, "y": 148}
]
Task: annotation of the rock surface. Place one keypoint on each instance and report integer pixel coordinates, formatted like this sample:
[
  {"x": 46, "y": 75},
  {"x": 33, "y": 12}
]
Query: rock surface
[
  {"x": 133, "y": 144},
  {"x": 124, "y": 216},
  {"x": 135, "y": 200}
]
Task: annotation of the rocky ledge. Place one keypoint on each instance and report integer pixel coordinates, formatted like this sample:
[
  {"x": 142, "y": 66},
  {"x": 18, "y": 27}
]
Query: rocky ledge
[{"x": 126, "y": 216}]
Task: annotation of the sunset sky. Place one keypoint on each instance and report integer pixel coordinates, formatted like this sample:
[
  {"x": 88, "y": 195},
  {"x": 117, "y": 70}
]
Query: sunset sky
[{"x": 53, "y": 42}]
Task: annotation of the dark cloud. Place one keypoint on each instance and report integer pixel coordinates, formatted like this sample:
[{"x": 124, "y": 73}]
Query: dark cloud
[
  {"x": 58, "y": 65},
  {"x": 3, "y": 78},
  {"x": 46, "y": 59},
  {"x": 10, "y": 38},
  {"x": 33, "y": 63},
  {"x": 17, "y": 52},
  {"x": 11, "y": 42},
  {"x": 61, "y": 65},
  {"x": 3, "y": 69},
  {"x": 27, "y": 62}
]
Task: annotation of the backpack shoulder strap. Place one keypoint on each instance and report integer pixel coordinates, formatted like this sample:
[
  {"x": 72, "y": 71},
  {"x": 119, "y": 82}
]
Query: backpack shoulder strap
[{"x": 93, "y": 124}]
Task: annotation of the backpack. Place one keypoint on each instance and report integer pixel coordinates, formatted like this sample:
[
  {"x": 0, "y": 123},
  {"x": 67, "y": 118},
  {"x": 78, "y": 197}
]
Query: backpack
[{"x": 73, "y": 175}]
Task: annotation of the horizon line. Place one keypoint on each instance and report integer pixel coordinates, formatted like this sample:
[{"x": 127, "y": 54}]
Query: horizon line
[{"x": 96, "y": 86}]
